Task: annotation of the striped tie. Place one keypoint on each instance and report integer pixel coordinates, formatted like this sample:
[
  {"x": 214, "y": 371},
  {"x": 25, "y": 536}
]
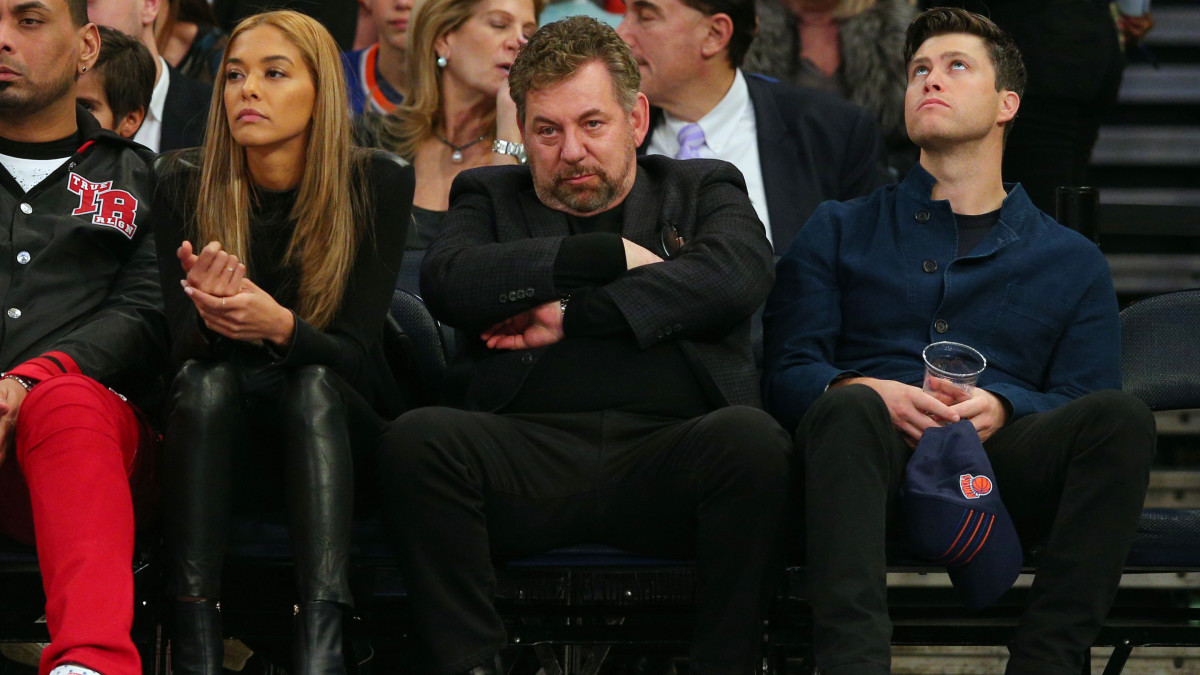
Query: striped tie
[{"x": 691, "y": 139}]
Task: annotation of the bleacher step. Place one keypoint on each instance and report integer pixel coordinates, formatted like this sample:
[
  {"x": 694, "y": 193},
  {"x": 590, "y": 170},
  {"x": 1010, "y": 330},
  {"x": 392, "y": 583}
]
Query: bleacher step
[
  {"x": 1179, "y": 423},
  {"x": 1175, "y": 26},
  {"x": 1153, "y": 272},
  {"x": 1178, "y": 196},
  {"x": 1147, "y": 146},
  {"x": 1172, "y": 83},
  {"x": 991, "y": 660}
]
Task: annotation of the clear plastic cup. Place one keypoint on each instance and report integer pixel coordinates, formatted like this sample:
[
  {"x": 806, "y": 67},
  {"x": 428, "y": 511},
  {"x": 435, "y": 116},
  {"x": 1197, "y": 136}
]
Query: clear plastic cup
[{"x": 952, "y": 361}]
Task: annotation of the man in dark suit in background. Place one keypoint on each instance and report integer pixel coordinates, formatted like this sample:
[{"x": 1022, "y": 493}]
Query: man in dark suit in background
[
  {"x": 796, "y": 147},
  {"x": 178, "y": 108},
  {"x": 609, "y": 390}
]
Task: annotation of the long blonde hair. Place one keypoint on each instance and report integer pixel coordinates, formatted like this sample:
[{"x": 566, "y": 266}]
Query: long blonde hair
[
  {"x": 329, "y": 204},
  {"x": 418, "y": 118}
]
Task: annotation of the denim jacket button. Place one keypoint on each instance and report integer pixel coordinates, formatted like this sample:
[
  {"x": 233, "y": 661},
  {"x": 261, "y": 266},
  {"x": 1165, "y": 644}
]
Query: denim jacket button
[
  {"x": 929, "y": 266},
  {"x": 922, "y": 216},
  {"x": 941, "y": 326}
]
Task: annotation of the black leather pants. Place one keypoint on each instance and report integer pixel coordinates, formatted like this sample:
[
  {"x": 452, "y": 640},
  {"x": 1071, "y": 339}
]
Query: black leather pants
[{"x": 309, "y": 413}]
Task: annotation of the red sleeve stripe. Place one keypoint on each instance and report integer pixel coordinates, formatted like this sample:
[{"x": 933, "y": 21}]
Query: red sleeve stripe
[
  {"x": 47, "y": 366},
  {"x": 64, "y": 361},
  {"x": 55, "y": 361}
]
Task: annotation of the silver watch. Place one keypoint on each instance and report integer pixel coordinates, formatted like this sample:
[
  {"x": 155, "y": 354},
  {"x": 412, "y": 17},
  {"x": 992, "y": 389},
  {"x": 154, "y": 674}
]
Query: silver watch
[{"x": 509, "y": 148}]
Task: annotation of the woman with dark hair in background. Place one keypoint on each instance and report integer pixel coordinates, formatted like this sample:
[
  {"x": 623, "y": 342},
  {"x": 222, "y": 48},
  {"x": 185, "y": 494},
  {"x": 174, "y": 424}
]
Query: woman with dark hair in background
[
  {"x": 188, "y": 37},
  {"x": 282, "y": 379}
]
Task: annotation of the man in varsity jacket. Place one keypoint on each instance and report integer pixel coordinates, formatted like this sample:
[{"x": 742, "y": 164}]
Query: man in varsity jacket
[{"x": 82, "y": 338}]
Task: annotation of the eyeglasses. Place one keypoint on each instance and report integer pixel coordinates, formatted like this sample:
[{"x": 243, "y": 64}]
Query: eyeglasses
[{"x": 671, "y": 241}]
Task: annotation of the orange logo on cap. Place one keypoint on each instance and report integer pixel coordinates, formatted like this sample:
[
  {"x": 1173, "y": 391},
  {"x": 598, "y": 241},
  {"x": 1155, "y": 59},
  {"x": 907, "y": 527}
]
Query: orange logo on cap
[{"x": 974, "y": 487}]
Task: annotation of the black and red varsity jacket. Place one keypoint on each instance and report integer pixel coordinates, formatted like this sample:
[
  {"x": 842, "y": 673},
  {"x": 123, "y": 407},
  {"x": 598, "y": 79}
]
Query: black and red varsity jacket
[{"x": 78, "y": 276}]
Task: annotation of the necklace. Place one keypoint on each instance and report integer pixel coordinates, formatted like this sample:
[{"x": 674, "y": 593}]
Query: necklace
[{"x": 456, "y": 156}]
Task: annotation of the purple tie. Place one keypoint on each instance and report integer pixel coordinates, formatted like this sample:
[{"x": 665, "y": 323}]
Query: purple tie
[{"x": 691, "y": 139}]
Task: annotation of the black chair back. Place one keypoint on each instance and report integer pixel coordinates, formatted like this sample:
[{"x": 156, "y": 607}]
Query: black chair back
[
  {"x": 1160, "y": 350},
  {"x": 426, "y": 349}
]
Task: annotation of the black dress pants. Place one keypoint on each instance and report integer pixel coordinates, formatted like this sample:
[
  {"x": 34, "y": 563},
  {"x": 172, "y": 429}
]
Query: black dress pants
[
  {"x": 1075, "y": 476},
  {"x": 465, "y": 489},
  {"x": 229, "y": 426}
]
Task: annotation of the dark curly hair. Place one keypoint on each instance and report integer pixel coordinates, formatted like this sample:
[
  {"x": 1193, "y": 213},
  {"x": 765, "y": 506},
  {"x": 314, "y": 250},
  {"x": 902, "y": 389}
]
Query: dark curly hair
[{"x": 559, "y": 49}]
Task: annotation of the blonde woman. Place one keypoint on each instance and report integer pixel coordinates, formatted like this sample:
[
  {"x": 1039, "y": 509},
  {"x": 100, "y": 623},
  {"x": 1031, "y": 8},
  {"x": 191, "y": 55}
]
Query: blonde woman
[
  {"x": 276, "y": 324},
  {"x": 458, "y": 103}
]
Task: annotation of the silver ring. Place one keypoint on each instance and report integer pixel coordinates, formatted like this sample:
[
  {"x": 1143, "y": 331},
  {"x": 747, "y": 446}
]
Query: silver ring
[{"x": 228, "y": 269}]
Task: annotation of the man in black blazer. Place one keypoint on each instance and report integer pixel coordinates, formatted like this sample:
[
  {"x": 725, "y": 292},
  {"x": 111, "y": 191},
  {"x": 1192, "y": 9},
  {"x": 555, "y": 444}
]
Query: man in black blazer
[
  {"x": 796, "y": 147},
  {"x": 608, "y": 391},
  {"x": 178, "y": 108}
]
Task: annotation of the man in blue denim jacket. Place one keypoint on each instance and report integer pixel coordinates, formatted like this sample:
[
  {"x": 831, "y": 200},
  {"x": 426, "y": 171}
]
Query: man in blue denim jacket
[{"x": 952, "y": 253}]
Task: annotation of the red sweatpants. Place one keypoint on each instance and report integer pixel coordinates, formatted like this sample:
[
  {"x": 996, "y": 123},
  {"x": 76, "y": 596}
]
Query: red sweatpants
[{"x": 78, "y": 449}]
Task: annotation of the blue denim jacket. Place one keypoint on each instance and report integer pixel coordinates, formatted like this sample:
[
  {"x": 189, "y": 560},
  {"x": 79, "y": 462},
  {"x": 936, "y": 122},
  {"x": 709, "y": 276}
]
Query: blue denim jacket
[{"x": 868, "y": 283}]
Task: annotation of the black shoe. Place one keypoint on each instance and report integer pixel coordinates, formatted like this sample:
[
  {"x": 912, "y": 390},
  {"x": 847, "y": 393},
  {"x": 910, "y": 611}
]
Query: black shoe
[
  {"x": 317, "y": 643},
  {"x": 196, "y": 647}
]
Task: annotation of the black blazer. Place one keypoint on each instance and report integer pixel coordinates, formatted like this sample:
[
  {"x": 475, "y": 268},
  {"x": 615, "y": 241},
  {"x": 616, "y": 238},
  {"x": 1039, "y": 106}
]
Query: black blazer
[
  {"x": 496, "y": 253},
  {"x": 185, "y": 112},
  {"x": 812, "y": 147}
]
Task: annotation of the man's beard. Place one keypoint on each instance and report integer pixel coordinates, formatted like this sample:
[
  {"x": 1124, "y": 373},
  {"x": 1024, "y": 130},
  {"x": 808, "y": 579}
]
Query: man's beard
[
  {"x": 33, "y": 98},
  {"x": 585, "y": 198}
]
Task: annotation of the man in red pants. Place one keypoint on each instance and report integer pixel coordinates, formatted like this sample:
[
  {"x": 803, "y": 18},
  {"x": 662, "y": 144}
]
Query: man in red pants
[{"x": 80, "y": 322}]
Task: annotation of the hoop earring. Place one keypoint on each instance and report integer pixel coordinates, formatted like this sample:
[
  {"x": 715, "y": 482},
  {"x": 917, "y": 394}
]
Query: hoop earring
[{"x": 441, "y": 62}]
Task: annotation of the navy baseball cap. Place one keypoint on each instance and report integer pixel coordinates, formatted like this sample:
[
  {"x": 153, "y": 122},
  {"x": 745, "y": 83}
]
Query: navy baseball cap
[{"x": 955, "y": 517}]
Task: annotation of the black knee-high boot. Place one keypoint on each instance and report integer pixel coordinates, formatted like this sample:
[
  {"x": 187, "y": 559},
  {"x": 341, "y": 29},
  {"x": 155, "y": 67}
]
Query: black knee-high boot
[
  {"x": 196, "y": 647},
  {"x": 317, "y": 643},
  {"x": 320, "y": 493},
  {"x": 204, "y": 422}
]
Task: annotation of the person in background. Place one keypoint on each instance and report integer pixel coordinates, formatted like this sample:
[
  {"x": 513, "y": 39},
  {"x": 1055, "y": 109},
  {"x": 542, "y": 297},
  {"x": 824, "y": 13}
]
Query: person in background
[
  {"x": 85, "y": 342},
  {"x": 337, "y": 16},
  {"x": 189, "y": 39},
  {"x": 281, "y": 383},
  {"x": 458, "y": 113},
  {"x": 364, "y": 31},
  {"x": 561, "y": 9},
  {"x": 117, "y": 89},
  {"x": 179, "y": 104},
  {"x": 796, "y": 147},
  {"x": 377, "y": 75},
  {"x": 851, "y": 48}
]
